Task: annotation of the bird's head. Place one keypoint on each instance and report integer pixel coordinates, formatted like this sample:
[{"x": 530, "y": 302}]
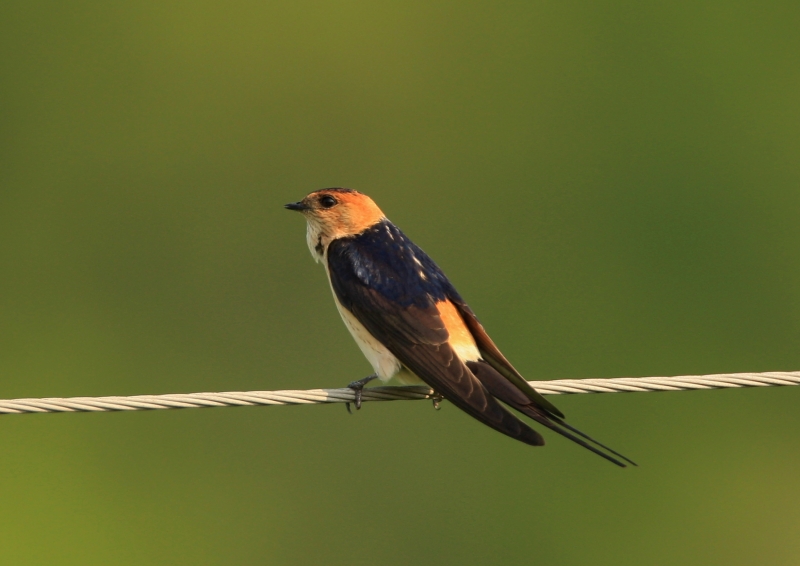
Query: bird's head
[{"x": 335, "y": 213}]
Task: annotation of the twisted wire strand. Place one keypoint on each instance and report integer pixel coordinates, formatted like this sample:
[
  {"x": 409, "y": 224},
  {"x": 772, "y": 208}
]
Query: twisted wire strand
[{"x": 408, "y": 393}]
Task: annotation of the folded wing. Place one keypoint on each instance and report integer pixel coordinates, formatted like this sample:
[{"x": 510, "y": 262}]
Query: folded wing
[
  {"x": 367, "y": 284},
  {"x": 394, "y": 289}
]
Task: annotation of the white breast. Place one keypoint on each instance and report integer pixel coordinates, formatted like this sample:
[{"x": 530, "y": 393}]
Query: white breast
[{"x": 385, "y": 364}]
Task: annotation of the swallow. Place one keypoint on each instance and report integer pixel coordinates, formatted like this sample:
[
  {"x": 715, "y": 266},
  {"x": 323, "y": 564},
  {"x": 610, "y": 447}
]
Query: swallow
[{"x": 412, "y": 325}]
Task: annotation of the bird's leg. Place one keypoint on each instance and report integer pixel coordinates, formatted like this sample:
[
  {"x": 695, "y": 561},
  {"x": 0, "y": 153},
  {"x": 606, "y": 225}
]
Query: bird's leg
[
  {"x": 437, "y": 400},
  {"x": 358, "y": 387}
]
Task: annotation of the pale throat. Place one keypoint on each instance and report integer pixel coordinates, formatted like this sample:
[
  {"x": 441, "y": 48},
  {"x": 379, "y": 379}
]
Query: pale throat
[{"x": 317, "y": 239}]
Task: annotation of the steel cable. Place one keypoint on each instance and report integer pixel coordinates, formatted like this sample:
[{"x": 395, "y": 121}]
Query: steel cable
[{"x": 406, "y": 393}]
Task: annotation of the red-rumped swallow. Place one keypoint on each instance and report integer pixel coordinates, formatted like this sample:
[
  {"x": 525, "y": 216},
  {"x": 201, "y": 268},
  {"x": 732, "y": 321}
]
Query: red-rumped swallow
[{"x": 411, "y": 323}]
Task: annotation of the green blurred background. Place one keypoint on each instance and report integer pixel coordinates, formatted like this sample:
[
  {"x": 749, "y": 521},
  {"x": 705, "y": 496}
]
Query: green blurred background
[{"x": 613, "y": 186}]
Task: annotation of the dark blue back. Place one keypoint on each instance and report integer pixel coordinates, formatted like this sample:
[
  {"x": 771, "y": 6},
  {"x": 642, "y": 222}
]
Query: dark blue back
[{"x": 382, "y": 259}]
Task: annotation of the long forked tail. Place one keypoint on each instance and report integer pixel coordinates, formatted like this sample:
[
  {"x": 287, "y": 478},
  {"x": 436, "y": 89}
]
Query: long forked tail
[
  {"x": 558, "y": 425},
  {"x": 506, "y": 392},
  {"x": 590, "y": 439}
]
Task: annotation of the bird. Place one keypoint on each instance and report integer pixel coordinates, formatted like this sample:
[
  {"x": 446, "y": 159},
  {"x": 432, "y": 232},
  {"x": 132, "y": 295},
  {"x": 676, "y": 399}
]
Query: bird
[{"x": 412, "y": 325}]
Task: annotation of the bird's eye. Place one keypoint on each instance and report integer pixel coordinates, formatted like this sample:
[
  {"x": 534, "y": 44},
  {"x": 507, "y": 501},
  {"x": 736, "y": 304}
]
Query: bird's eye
[{"x": 327, "y": 201}]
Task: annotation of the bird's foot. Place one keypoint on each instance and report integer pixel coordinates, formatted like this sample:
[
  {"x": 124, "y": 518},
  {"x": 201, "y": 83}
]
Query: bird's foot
[
  {"x": 358, "y": 387},
  {"x": 437, "y": 400}
]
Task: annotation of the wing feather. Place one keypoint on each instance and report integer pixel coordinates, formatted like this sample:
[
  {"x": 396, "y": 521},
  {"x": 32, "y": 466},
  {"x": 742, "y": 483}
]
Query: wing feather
[
  {"x": 392, "y": 288},
  {"x": 413, "y": 332},
  {"x": 492, "y": 354},
  {"x": 506, "y": 392},
  {"x": 418, "y": 339}
]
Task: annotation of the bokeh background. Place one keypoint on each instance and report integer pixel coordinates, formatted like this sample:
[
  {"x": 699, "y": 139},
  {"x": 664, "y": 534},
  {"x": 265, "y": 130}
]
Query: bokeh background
[{"x": 614, "y": 186}]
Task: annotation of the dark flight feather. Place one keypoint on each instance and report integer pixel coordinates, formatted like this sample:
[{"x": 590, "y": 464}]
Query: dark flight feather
[
  {"x": 417, "y": 337},
  {"x": 498, "y": 361},
  {"x": 503, "y": 390},
  {"x": 391, "y": 286}
]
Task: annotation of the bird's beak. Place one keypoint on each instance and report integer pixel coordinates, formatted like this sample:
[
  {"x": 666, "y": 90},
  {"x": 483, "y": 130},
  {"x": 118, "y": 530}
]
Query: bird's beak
[{"x": 298, "y": 206}]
